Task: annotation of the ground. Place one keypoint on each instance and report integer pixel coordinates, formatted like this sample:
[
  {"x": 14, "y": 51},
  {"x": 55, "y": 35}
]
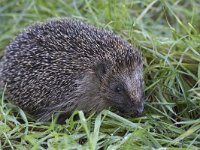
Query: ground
[{"x": 166, "y": 32}]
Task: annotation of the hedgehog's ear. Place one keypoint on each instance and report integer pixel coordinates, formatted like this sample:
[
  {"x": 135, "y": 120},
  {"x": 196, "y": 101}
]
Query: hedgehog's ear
[{"x": 101, "y": 69}]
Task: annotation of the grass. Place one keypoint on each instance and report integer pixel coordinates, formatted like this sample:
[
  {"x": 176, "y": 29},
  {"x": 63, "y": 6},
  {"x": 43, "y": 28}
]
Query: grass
[{"x": 167, "y": 33}]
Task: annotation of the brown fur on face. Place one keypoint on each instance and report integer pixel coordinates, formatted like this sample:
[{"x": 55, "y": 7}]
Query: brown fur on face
[{"x": 106, "y": 87}]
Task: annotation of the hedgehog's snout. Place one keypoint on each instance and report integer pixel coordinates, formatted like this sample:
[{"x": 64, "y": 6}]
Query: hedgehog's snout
[
  {"x": 139, "y": 105},
  {"x": 138, "y": 109},
  {"x": 137, "y": 102},
  {"x": 132, "y": 109}
]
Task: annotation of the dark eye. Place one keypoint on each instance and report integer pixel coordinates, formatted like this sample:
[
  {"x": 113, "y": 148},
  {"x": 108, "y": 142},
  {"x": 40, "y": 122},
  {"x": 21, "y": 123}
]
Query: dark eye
[{"x": 119, "y": 89}]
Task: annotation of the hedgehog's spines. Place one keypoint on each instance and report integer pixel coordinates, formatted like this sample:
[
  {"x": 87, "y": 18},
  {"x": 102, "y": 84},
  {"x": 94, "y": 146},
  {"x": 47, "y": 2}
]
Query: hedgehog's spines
[{"x": 51, "y": 66}]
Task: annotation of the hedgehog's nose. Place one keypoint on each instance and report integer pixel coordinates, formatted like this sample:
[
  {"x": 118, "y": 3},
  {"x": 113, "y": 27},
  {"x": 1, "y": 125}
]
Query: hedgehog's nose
[
  {"x": 139, "y": 112},
  {"x": 139, "y": 109}
]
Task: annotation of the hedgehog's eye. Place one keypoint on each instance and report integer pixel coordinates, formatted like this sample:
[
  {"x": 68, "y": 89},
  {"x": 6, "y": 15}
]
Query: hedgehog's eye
[{"x": 119, "y": 89}]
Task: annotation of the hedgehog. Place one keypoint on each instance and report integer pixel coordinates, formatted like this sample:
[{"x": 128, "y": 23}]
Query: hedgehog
[{"x": 63, "y": 65}]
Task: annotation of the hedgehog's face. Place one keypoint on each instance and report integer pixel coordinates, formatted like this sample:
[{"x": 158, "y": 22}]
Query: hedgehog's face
[{"x": 123, "y": 89}]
